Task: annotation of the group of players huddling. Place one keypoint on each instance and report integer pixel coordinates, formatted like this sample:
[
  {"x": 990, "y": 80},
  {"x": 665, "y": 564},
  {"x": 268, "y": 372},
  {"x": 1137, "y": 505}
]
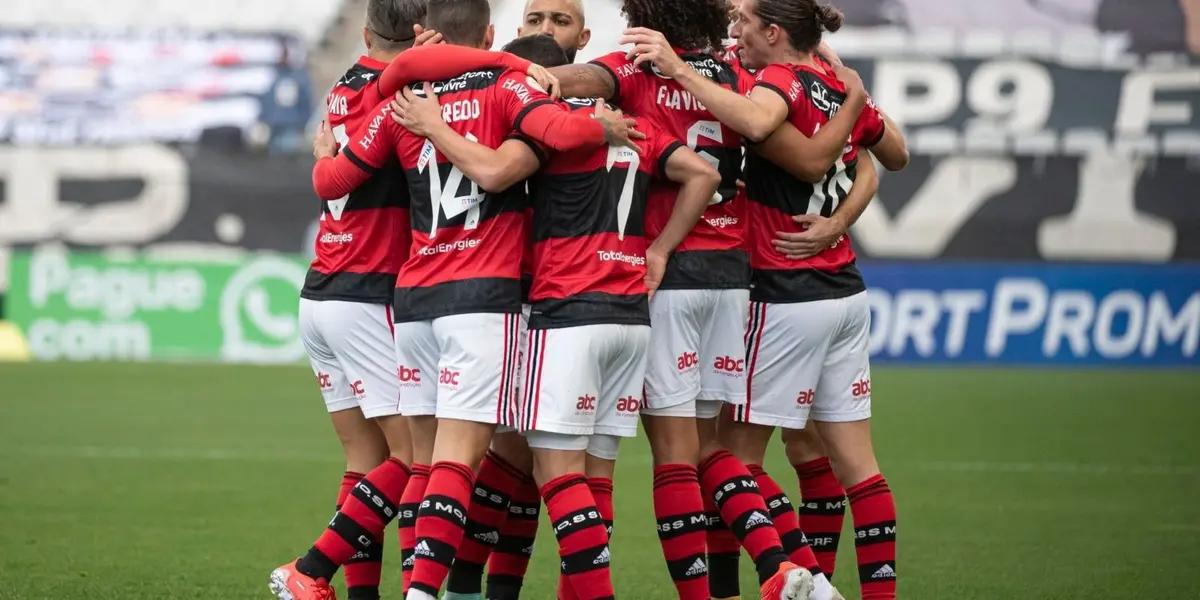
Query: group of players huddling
[{"x": 506, "y": 282}]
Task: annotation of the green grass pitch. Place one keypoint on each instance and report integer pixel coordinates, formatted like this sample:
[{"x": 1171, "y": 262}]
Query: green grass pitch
[{"x": 151, "y": 482}]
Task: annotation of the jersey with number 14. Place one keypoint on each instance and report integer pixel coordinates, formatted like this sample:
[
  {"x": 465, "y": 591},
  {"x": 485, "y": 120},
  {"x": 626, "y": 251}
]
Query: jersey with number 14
[
  {"x": 713, "y": 255},
  {"x": 466, "y": 242}
]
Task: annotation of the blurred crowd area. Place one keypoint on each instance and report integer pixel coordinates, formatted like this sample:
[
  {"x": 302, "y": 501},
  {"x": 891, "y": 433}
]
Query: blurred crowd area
[{"x": 244, "y": 74}]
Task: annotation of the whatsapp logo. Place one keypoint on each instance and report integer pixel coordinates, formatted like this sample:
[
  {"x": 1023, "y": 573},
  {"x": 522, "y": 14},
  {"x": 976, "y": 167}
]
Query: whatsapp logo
[{"x": 258, "y": 312}]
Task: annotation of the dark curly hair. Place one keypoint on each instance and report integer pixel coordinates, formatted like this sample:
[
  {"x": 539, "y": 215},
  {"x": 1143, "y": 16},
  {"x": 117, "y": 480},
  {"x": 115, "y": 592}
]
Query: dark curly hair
[{"x": 688, "y": 24}]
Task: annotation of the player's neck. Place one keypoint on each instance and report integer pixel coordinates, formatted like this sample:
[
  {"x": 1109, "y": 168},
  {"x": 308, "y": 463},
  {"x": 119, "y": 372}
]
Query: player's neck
[
  {"x": 382, "y": 56},
  {"x": 795, "y": 57}
]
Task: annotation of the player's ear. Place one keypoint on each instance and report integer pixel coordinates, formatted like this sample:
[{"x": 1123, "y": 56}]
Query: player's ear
[
  {"x": 585, "y": 36},
  {"x": 489, "y": 38},
  {"x": 367, "y": 38}
]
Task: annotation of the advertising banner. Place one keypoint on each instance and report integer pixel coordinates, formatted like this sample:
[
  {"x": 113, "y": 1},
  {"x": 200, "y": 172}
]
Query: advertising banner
[
  {"x": 1034, "y": 313},
  {"x": 89, "y": 306}
]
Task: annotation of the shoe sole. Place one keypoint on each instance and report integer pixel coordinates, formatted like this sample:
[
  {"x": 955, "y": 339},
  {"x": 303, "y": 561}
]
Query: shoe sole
[{"x": 278, "y": 585}]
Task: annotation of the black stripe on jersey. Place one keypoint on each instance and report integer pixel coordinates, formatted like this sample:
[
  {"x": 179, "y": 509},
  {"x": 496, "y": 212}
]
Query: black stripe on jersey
[
  {"x": 368, "y": 288},
  {"x": 770, "y": 185},
  {"x": 528, "y": 109},
  {"x": 475, "y": 295},
  {"x": 387, "y": 188},
  {"x": 473, "y": 80},
  {"x": 831, "y": 99},
  {"x": 358, "y": 162},
  {"x": 591, "y": 308},
  {"x": 666, "y": 156},
  {"x": 568, "y": 205},
  {"x": 707, "y": 270},
  {"x": 357, "y": 77},
  {"x": 494, "y": 204},
  {"x": 805, "y": 285}
]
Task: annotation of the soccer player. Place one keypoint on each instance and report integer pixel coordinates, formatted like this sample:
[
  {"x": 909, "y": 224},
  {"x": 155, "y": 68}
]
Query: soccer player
[
  {"x": 345, "y": 312},
  {"x": 590, "y": 316},
  {"x": 562, "y": 20},
  {"x": 809, "y": 319},
  {"x": 699, "y": 314},
  {"x": 458, "y": 296}
]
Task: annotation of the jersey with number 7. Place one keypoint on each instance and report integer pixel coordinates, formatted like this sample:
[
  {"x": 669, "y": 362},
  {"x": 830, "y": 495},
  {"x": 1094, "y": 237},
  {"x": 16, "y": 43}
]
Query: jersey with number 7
[
  {"x": 717, "y": 258},
  {"x": 466, "y": 242}
]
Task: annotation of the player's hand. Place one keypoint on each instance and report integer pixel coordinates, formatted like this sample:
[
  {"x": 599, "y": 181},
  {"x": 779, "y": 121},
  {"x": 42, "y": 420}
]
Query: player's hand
[
  {"x": 420, "y": 115},
  {"x": 827, "y": 52},
  {"x": 819, "y": 233},
  {"x": 652, "y": 46},
  {"x": 426, "y": 37},
  {"x": 324, "y": 144},
  {"x": 850, "y": 77},
  {"x": 545, "y": 79},
  {"x": 656, "y": 267},
  {"x": 619, "y": 130}
]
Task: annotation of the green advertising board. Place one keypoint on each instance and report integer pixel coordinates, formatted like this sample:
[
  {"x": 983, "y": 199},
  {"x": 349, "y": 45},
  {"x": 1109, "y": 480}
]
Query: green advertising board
[{"x": 92, "y": 306}]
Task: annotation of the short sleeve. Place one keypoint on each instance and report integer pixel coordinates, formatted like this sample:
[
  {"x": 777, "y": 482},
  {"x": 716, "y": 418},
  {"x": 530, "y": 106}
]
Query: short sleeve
[
  {"x": 781, "y": 80},
  {"x": 869, "y": 129},
  {"x": 623, "y": 72},
  {"x": 374, "y": 142},
  {"x": 658, "y": 146},
  {"x": 517, "y": 94}
]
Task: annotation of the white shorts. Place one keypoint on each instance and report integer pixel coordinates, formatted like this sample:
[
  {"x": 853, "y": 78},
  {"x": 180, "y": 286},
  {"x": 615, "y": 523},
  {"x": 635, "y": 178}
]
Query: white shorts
[
  {"x": 459, "y": 366},
  {"x": 349, "y": 345},
  {"x": 697, "y": 348},
  {"x": 584, "y": 380},
  {"x": 508, "y": 418},
  {"x": 808, "y": 359}
]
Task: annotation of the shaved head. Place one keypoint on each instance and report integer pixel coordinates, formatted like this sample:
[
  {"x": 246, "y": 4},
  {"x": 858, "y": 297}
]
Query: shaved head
[{"x": 562, "y": 20}]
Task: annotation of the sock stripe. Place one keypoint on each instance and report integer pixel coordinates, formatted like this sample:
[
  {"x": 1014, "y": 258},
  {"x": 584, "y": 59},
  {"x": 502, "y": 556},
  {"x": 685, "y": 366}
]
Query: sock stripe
[
  {"x": 518, "y": 545},
  {"x": 688, "y": 568},
  {"x": 524, "y": 511},
  {"x": 823, "y": 506},
  {"x": 483, "y": 533},
  {"x": 877, "y": 571},
  {"x": 443, "y": 507},
  {"x": 556, "y": 486},
  {"x": 714, "y": 521},
  {"x": 588, "y": 559},
  {"x": 370, "y": 496},
  {"x": 875, "y": 533},
  {"x": 489, "y": 497},
  {"x": 732, "y": 487},
  {"x": 351, "y": 532},
  {"x": 749, "y": 521},
  {"x": 406, "y": 514},
  {"x": 779, "y": 504},
  {"x": 813, "y": 468},
  {"x": 677, "y": 525},
  {"x": 436, "y": 550},
  {"x": 577, "y": 521}
]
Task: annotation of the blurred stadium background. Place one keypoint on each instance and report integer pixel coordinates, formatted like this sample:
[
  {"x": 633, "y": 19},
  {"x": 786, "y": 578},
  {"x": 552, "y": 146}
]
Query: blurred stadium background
[{"x": 1035, "y": 282}]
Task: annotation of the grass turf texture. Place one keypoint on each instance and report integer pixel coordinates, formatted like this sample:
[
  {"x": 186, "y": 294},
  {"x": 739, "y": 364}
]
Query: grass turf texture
[{"x": 150, "y": 482}]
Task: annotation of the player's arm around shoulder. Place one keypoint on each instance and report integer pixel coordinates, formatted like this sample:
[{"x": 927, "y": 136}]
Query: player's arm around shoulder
[
  {"x": 494, "y": 170},
  {"x": 892, "y": 148}
]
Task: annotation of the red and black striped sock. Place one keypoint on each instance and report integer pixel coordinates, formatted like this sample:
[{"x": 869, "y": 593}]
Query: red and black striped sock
[
  {"x": 724, "y": 554},
  {"x": 822, "y": 510},
  {"x": 494, "y": 486},
  {"x": 787, "y": 523},
  {"x": 441, "y": 521},
  {"x": 510, "y": 559},
  {"x": 410, "y": 502},
  {"x": 874, "y": 511},
  {"x": 602, "y": 492},
  {"x": 582, "y": 536},
  {"x": 363, "y": 570},
  {"x": 743, "y": 510},
  {"x": 360, "y": 524},
  {"x": 682, "y": 526}
]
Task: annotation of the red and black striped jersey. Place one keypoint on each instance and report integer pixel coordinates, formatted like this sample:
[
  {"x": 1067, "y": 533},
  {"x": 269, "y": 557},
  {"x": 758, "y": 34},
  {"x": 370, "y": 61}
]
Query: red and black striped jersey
[
  {"x": 589, "y": 233},
  {"x": 362, "y": 238},
  {"x": 467, "y": 243},
  {"x": 814, "y": 96},
  {"x": 713, "y": 255}
]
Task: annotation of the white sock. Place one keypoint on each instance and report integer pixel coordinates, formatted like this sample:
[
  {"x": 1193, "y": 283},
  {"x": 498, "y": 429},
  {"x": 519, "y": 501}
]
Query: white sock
[
  {"x": 415, "y": 594},
  {"x": 822, "y": 589},
  {"x": 457, "y": 596}
]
